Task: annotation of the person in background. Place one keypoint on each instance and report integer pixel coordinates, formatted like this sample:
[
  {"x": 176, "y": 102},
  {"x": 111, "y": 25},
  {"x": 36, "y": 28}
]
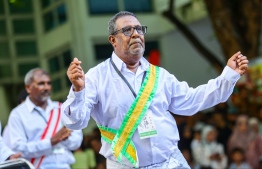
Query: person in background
[
  {"x": 85, "y": 156},
  {"x": 260, "y": 163},
  {"x": 210, "y": 153},
  {"x": 237, "y": 157},
  {"x": 95, "y": 144},
  {"x": 5, "y": 152},
  {"x": 260, "y": 119},
  {"x": 22, "y": 96},
  {"x": 247, "y": 139},
  {"x": 253, "y": 122},
  {"x": 223, "y": 130},
  {"x": 36, "y": 128},
  {"x": 196, "y": 142},
  {"x": 131, "y": 100}
]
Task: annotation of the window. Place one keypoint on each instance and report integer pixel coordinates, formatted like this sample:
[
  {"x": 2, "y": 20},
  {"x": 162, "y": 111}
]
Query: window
[
  {"x": 5, "y": 71},
  {"x": 61, "y": 12},
  {"x": 103, "y": 51},
  {"x": 25, "y": 26},
  {"x": 45, "y": 3},
  {"x": 103, "y": 6},
  {"x": 113, "y": 6},
  {"x": 54, "y": 16},
  {"x": 56, "y": 85},
  {"x": 49, "y": 21},
  {"x": 58, "y": 63},
  {"x": 26, "y": 48},
  {"x": 67, "y": 58},
  {"x": 25, "y": 67},
  {"x": 54, "y": 64},
  {"x": 138, "y": 6},
  {"x": 4, "y": 50},
  {"x": 2, "y": 28},
  {"x": 2, "y": 11},
  {"x": 18, "y": 7}
]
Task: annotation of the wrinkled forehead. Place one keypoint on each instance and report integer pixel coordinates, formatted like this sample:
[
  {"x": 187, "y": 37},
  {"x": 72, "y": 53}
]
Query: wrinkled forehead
[
  {"x": 40, "y": 76},
  {"x": 127, "y": 21}
]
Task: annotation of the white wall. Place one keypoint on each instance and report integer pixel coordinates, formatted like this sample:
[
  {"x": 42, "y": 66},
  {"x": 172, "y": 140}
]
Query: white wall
[{"x": 181, "y": 59}]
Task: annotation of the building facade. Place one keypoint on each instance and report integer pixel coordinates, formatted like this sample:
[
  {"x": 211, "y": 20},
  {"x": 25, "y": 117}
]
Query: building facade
[{"x": 50, "y": 33}]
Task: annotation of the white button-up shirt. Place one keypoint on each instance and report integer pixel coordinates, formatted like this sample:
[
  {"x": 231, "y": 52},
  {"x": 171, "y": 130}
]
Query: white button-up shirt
[
  {"x": 26, "y": 125},
  {"x": 5, "y": 152},
  {"x": 107, "y": 99}
]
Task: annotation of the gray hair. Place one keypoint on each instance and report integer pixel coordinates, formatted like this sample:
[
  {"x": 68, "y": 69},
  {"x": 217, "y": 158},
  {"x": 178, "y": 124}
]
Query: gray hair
[
  {"x": 29, "y": 77},
  {"x": 112, "y": 21}
]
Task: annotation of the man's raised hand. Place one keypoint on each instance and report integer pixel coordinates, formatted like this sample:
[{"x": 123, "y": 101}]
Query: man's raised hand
[
  {"x": 238, "y": 62},
  {"x": 76, "y": 75}
]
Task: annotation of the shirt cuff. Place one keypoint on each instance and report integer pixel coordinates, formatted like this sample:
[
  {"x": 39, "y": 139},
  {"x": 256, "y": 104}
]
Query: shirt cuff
[
  {"x": 80, "y": 94},
  {"x": 76, "y": 95},
  {"x": 230, "y": 74},
  {"x": 68, "y": 118},
  {"x": 46, "y": 143}
]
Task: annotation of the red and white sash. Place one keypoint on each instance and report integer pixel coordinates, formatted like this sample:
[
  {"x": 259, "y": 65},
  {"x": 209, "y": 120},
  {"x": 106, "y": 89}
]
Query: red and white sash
[{"x": 49, "y": 131}]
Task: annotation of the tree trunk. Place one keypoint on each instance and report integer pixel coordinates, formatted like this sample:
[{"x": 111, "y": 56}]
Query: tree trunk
[{"x": 237, "y": 25}]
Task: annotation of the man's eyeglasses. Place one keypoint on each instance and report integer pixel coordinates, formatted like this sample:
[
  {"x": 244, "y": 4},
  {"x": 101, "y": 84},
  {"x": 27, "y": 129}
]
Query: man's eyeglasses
[{"x": 129, "y": 30}]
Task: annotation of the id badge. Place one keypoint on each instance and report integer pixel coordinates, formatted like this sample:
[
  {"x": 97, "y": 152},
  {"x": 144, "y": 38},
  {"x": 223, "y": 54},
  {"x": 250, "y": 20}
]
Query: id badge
[{"x": 147, "y": 126}]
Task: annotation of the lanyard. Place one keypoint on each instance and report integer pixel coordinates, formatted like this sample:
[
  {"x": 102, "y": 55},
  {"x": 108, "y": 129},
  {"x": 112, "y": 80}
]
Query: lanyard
[
  {"x": 40, "y": 113},
  {"x": 120, "y": 74}
]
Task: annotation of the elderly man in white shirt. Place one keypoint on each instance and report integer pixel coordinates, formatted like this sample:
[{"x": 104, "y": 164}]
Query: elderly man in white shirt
[
  {"x": 36, "y": 129},
  {"x": 131, "y": 100}
]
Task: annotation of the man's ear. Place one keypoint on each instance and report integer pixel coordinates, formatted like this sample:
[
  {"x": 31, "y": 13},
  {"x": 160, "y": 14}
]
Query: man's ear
[
  {"x": 28, "y": 89},
  {"x": 112, "y": 40}
]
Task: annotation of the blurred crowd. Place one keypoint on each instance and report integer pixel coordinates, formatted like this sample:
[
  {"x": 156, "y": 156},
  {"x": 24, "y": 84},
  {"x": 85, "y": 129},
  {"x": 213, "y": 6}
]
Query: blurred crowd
[
  {"x": 87, "y": 155},
  {"x": 221, "y": 139}
]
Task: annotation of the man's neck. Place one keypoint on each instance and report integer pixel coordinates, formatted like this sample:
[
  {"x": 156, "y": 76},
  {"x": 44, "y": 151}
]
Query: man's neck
[
  {"x": 43, "y": 105},
  {"x": 134, "y": 67},
  {"x": 132, "y": 62}
]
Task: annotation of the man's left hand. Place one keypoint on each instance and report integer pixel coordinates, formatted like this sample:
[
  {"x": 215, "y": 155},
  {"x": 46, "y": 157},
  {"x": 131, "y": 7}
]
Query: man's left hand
[{"x": 238, "y": 62}]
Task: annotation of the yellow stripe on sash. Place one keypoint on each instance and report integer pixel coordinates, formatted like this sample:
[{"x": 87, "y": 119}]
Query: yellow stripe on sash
[{"x": 109, "y": 136}]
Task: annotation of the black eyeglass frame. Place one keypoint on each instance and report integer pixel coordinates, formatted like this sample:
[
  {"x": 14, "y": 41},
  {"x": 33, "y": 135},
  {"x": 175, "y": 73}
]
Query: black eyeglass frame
[{"x": 134, "y": 28}]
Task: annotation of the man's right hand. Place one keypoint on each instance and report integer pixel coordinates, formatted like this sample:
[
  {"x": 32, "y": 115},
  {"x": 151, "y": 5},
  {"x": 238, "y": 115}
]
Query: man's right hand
[
  {"x": 76, "y": 75},
  {"x": 61, "y": 135}
]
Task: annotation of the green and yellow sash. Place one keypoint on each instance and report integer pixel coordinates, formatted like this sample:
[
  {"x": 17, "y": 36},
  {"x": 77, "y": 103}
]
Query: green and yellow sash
[{"x": 120, "y": 140}]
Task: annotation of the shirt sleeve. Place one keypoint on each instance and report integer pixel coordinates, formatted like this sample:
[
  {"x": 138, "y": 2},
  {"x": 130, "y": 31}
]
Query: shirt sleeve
[
  {"x": 19, "y": 142},
  {"x": 78, "y": 106},
  {"x": 188, "y": 101},
  {"x": 5, "y": 152}
]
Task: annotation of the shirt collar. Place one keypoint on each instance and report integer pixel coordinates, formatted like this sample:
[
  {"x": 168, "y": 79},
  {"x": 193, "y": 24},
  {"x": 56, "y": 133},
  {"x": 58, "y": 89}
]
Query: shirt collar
[
  {"x": 31, "y": 106},
  {"x": 144, "y": 64}
]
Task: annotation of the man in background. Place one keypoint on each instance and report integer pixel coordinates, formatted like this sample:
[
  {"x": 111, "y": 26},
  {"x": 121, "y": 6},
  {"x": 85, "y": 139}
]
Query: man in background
[{"x": 36, "y": 128}]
